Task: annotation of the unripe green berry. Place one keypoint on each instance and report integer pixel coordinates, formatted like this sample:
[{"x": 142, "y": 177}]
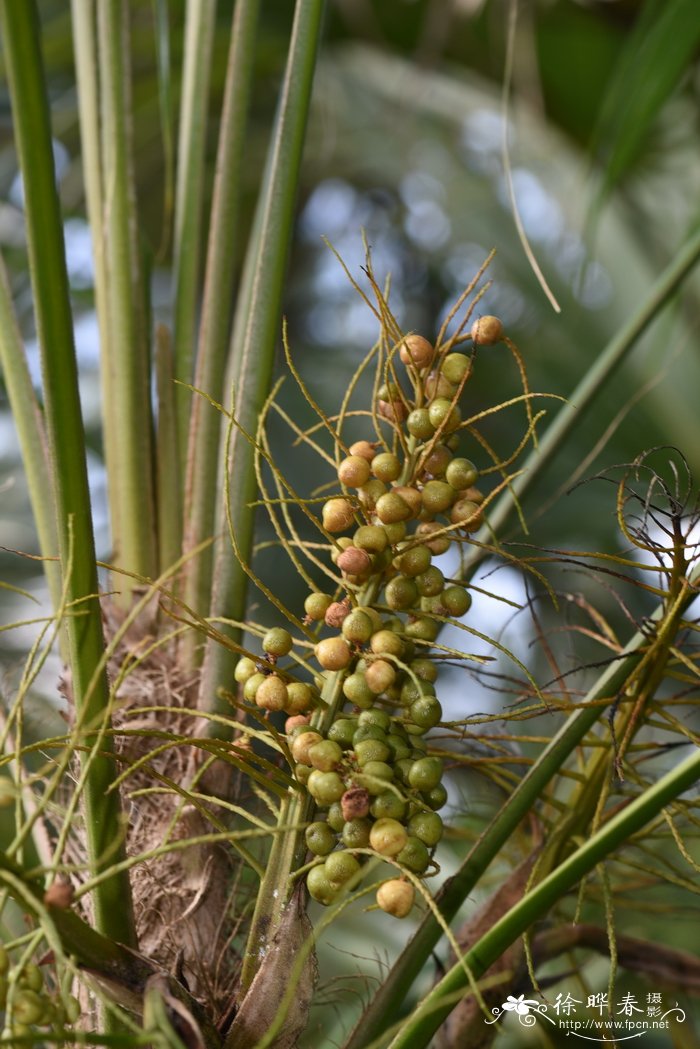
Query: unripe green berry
[
  {"x": 376, "y": 717},
  {"x": 391, "y": 508},
  {"x": 372, "y": 538},
  {"x": 455, "y": 600},
  {"x": 395, "y": 532},
  {"x": 252, "y": 685},
  {"x": 386, "y": 466},
  {"x": 300, "y": 697},
  {"x": 437, "y": 496},
  {"x": 319, "y": 885},
  {"x": 415, "y": 561},
  {"x": 370, "y": 494},
  {"x": 341, "y": 732},
  {"x": 454, "y": 367},
  {"x": 325, "y": 755},
  {"x": 388, "y": 805},
  {"x": 277, "y": 642},
  {"x": 371, "y": 750},
  {"x": 340, "y": 867},
  {"x": 423, "y": 629},
  {"x": 245, "y": 668},
  {"x": 427, "y": 826},
  {"x": 438, "y": 545},
  {"x": 356, "y": 689},
  {"x": 461, "y": 473},
  {"x": 426, "y": 712},
  {"x": 430, "y": 582},
  {"x": 316, "y": 605},
  {"x": 320, "y": 839},
  {"x": 414, "y": 855},
  {"x": 27, "y": 1007},
  {"x": 426, "y": 773},
  {"x": 401, "y": 593},
  {"x": 357, "y": 628},
  {"x": 419, "y": 425},
  {"x": 355, "y": 833},
  {"x": 325, "y": 787},
  {"x": 436, "y": 797},
  {"x": 444, "y": 414}
]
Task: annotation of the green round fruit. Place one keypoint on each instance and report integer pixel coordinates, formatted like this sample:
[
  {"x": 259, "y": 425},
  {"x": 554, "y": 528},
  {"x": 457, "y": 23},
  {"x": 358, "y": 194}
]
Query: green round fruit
[
  {"x": 357, "y": 627},
  {"x": 356, "y": 689},
  {"x": 426, "y": 712},
  {"x": 245, "y": 668},
  {"x": 320, "y": 839},
  {"x": 401, "y": 593},
  {"x": 456, "y": 601},
  {"x": 414, "y": 855},
  {"x": 372, "y": 538},
  {"x": 461, "y": 474},
  {"x": 436, "y": 797},
  {"x": 341, "y": 732},
  {"x": 391, "y": 508},
  {"x": 277, "y": 642},
  {"x": 415, "y": 561},
  {"x": 316, "y": 605},
  {"x": 376, "y": 717},
  {"x": 340, "y": 867},
  {"x": 355, "y": 833},
  {"x": 454, "y": 367},
  {"x": 467, "y": 515},
  {"x": 252, "y": 685},
  {"x": 427, "y": 826},
  {"x": 300, "y": 697},
  {"x": 444, "y": 414},
  {"x": 325, "y": 755},
  {"x": 388, "y": 805},
  {"x": 437, "y": 496},
  {"x": 319, "y": 885},
  {"x": 335, "y": 818},
  {"x": 371, "y": 750},
  {"x": 386, "y": 467},
  {"x": 419, "y": 425},
  {"x": 386, "y": 642},
  {"x": 426, "y": 773},
  {"x": 325, "y": 787}
]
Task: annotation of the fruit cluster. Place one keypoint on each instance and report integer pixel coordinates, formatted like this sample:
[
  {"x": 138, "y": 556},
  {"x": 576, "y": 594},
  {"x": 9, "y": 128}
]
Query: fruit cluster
[
  {"x": 27, "y": 1003},
  {"x": 361, "y": 752}
]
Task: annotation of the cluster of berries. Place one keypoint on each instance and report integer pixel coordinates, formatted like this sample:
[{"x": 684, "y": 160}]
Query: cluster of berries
[
  {"x": 26, "y": 1002},
  {"x": 404, "y": 502}
]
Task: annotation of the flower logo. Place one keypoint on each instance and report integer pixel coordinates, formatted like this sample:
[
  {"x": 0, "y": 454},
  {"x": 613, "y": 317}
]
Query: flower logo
[{"x": 520, "y": 1005}]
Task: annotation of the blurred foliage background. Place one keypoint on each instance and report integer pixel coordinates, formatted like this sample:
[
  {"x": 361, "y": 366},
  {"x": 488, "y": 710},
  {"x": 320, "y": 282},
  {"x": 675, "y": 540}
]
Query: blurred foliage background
[{"x": 409, "y": 121}]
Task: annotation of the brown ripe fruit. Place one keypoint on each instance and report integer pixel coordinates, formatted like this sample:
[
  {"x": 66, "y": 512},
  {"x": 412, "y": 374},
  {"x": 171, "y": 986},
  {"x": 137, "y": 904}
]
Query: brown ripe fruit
[
  {"x": 417, "y": 351},
  {"x": 333, "y": 653},
  {"x": 364, "y": 449},
  {"x": 302, "y": 744},
  {"x": 354, "y": 561},
  {"x": 380, "y": 675},
  {"x": 337, "y": 514},
  {"x": 354, "y": 471},
  {"x": 411, "y": 496},
  {"x": 396, "y": 897},
  {"x": 355, "y": 804},
  {"x": 294, "y": 721},
  {"x": 394, "y": 411},
  {"x": 467, "y": 515},
  {"x": 487, "y": 331},
  {"x": 271, "y": 693},
  {"x": 59, "y": 894},
  {"x": 337, "y": 612}
]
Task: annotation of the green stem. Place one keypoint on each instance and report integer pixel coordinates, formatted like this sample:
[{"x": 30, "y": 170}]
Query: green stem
[
  {"x": 21, "y": 40},
  {"x": 85, "y": 51},
  {"x": 135, "y": 544},
  {"x": 257, "y": 326},
  {"x": 32, "y": 437},
  {"x": 191, "y": 152},
  {"x": 389, "y": 997},
  {"x": 205, "y": 423},
  {"x": 419, "y": 1029}
]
